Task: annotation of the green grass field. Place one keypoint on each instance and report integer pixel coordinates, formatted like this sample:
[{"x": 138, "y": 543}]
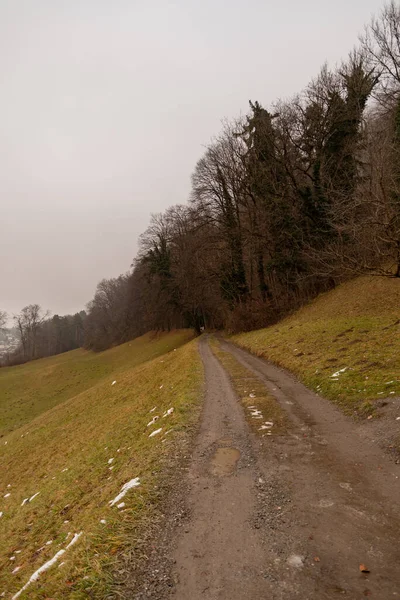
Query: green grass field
[
  {"x": 28, "y": 390},
  {"x": 76, "y": 446},
  {"x": 345, "y": 345}
]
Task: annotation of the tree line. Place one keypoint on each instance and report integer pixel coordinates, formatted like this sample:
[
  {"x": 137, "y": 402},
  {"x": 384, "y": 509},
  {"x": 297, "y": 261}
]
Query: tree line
[
  {"x": 285, "y": 203},
  {"x": 41, "y": 335}
]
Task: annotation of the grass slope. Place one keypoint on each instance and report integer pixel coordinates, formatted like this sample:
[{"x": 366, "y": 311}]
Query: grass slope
[
  {"x": 28, "y": 390},
  {"x": 67, "y": 458},
  {"x": 354, "y": 327}
]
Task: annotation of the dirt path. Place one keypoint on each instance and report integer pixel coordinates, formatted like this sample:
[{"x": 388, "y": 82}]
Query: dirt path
[{"x": 291, "y": 516}]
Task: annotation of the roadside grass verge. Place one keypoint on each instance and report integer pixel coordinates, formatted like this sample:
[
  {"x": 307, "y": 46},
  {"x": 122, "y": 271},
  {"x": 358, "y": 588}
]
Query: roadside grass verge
[
  {"x": 27, "y": 391},
  {"x": 262, "y": 410},
  {"x": 345, "y": 345},
  {"x": 77, "y": 456}
]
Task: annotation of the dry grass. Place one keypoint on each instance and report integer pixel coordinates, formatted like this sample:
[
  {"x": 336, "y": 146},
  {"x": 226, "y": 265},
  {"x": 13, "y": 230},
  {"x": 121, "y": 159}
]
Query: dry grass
[
  {"x": 246, "y": 383},
  {"x": 64, "y": 454},
  {"x": 356, "y": 327}
]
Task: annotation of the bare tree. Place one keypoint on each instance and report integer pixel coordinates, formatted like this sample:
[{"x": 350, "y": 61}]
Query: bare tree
[
  {"x": 3, "y": 319},
  {"x": 380, "y": 44},
  {"x": 28, "y": 322}
]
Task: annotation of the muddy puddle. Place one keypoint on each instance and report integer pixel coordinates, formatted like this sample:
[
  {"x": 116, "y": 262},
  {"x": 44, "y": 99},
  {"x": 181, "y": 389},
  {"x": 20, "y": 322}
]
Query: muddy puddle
[{"x": 224, "y": 461}]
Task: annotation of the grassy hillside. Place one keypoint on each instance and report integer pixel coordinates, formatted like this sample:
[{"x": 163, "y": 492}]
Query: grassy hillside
[
  {"x": 28, "y": 390},
  {"x": 78, "y": 454},
  {"x": 345, "y": 344}
]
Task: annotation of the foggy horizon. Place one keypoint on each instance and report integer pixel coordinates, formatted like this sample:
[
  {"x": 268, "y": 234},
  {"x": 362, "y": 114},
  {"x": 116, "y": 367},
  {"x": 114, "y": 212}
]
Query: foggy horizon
[{"x": 105, "y": 111}]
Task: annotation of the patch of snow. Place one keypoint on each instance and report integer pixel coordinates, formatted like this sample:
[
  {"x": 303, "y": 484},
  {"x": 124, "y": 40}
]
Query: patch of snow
[
  {"x": 168, "y": 412},
  {"x": 7, "y": 495},
  {"x": 34, "y": 496},
  {"x": 256, "y": 414},
  {"x": 24, "y": 501},
  {"x": 267, "y": 425},
  {"x": 161, "y": 387},
  {"x": 340, "y": 371},
  {"x": 12, "y": 557},
  {"x": 156, "y": 432},
  {"x": 121, "y": 505},
  {"x": 154, "y": 419},
  {"x": 49, "y": 543},
  {"x": 9, "y": 485},
  {"x": 65, "y": 522},
  {"x": 397, "y": 419},
  {"x": 125, "y": 488},
  {"x": 110, "y": 460},
  {"x": 111, "y": 468},
  {"x": 61, "y": 564},
  {"x": 153, "y": 409},
  {"x": 113, "y": 383},
  {"x": 74, "y": 539},
  {"x": 1, "y": 514},
  {"x": 103, "y": 521},
  {"x": 16, "y": 570},
  {"x": 392, "y": 392},
  {"x": 18, "y": 551},
  {"x": 388, "y": 382},
  {"x": 66, "y": 469},
  {"x": 252, "y": 395},
  {"x": 37, "y": 573}
]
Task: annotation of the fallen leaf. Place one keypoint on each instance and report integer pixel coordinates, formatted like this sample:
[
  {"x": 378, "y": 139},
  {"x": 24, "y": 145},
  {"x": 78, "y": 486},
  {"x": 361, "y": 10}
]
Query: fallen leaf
[
  {"x": 316, "y": 559},
  {"x": 364, "y": 569}
]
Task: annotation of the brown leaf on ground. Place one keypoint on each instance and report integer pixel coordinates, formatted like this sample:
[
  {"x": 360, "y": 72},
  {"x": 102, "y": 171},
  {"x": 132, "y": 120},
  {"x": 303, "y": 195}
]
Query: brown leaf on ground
[
  {"x": 364, "y": 569},
  {"x": 316, "y": 559}
]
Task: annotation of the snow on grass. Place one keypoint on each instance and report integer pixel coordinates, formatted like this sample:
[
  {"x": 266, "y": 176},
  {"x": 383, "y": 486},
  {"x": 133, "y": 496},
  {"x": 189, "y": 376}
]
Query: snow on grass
[
  {"x": 153, "y": 409},
  {"x": 168, "y": 412},
  {"x": 255, "y": 413},
  {"x": 121, "y": 505},
  {"x": 47, "y": 565},
  {"x": 340, "y": 371},
  {"x": 110, "y": 460},
  {"x": 113, "y": 383},
  {"x": 154, "y": 419},
  {"x": 34, "y": 496},
  {"x": 125, "y": 488},
  {"x": 156, "y": 432},
  {"x": 267, "y": 425}
]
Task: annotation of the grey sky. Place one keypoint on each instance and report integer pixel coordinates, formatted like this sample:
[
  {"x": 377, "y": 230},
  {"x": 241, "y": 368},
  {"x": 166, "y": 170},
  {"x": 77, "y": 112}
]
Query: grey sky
[{"x": 105, "y": 107}]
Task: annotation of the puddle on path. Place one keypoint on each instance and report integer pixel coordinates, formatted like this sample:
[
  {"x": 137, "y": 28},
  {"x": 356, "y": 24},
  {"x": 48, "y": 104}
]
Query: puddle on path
[{"x": 224, "y": 461}]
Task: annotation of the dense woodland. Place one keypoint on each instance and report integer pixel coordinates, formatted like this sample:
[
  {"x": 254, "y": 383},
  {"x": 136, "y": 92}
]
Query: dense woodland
[{"x": 285, "y": 203}]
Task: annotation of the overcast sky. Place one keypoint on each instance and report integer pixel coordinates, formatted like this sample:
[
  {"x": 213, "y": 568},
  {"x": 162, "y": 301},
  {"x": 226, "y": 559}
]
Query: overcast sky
[{"x": 106, "y": 105}]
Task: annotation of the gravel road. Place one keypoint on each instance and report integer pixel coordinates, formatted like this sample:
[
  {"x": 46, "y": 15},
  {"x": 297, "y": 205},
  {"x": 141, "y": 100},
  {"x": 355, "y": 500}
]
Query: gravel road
[{"x": 290, "y": 516}]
